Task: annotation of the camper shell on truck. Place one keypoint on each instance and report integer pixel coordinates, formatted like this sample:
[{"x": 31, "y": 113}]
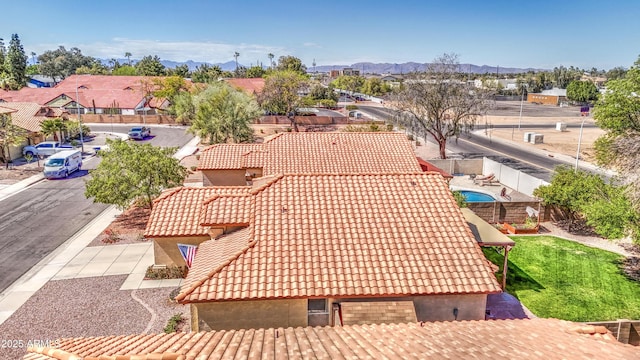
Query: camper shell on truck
[{"x": 63, "y": 163}]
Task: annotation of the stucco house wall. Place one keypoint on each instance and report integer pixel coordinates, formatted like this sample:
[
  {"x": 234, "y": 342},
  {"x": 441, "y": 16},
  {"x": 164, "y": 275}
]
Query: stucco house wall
[
  {"x": 224, "y": 177},
  {"x": 248, "y": 314},
  {"x": 165, "y": 249}
]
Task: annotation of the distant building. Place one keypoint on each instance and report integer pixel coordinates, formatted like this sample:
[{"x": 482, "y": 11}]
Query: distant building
[{"x": 553, "y": 96}]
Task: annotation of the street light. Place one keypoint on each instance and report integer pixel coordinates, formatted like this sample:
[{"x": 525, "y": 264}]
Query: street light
[
  {"x": 79, "y": 118},
  {"x": 521, "y": 102},
  {"x": 579, "y": 141}
]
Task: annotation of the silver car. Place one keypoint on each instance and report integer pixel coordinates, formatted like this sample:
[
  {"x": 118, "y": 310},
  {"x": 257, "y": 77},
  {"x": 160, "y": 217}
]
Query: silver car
[{"x": 139, "y": 132}]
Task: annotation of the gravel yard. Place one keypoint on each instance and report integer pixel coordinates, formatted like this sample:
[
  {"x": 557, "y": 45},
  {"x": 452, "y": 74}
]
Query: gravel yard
[{"x": 87, "y": 307}]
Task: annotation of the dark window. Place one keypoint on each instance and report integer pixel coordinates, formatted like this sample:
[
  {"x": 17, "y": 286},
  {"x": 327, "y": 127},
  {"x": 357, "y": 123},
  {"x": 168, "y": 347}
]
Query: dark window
[{"x": 317, "y": 305}]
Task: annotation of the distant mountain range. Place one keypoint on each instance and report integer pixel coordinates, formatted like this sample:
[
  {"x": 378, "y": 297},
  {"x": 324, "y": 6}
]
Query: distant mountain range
[{"x": 364, "y": 67}]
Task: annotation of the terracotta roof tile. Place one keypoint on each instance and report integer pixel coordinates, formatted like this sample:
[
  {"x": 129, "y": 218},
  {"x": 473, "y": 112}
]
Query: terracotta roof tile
[
  {"x": 496, "y": 339},
  {"x": 177, "y": 212},
  {"x": 345, "y": 153},
  {"x": 351, "y": 235},
  {"x": 225, "y": 156},
  {"x": 230, "y": 210},
  {"x": 249, "y": 85}
]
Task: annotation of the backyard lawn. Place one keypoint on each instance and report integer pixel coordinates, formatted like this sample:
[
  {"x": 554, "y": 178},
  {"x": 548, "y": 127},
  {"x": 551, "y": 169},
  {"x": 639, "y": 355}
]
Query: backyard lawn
[{"x": 562, "y": 279}]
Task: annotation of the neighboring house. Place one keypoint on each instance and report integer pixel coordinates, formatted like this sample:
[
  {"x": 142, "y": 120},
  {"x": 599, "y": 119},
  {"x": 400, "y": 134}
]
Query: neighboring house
[
  {"x": 497, "y": 339},
  {"x": 40, "y": 81},
  {"x": 327, "y": 249},
  {"x": 553, "y": 96},
  {"x": 342, "y": 152},
  {"x": 29, "y": 116},
  {"x": 97, "y": 94}
]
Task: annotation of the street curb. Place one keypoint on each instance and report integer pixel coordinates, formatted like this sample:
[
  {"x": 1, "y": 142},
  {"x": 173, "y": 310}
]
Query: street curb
[{"x": 19, "y": 186}]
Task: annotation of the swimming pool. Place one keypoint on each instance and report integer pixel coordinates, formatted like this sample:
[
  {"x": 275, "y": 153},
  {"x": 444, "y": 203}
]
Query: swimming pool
[{"x": 475, "y": 196}]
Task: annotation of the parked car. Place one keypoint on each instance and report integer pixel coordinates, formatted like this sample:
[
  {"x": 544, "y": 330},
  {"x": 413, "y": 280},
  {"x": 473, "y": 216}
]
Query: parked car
[
  {"x": 45, "y": 148},
  {"x": 139, "y": 132},
  {"x": 62, "y": 164}
]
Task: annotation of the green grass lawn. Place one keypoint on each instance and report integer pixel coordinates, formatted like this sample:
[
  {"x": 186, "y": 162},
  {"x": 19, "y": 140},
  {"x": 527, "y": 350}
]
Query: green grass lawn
[{"x": 566, "y": 280}]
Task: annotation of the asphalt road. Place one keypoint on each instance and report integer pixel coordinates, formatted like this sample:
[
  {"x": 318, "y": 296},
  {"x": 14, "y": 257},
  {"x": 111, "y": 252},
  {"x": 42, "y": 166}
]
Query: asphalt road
[
  {"x": 478, "y": 147},
  {"x": 36, "y": 221}
]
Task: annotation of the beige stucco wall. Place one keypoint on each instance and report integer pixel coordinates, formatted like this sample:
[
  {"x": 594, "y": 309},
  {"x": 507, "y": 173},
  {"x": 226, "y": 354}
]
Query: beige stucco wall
[
  {"x": 165, "y": 249},
  {"x": 438, "y": 307},
  {"x": 224, "y": 177},
  {"x": 253, "y": 314}
]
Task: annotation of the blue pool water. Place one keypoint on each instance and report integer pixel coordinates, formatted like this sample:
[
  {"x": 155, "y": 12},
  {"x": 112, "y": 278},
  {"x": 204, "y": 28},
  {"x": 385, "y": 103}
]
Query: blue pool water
[{"x": 474, "y": 196}]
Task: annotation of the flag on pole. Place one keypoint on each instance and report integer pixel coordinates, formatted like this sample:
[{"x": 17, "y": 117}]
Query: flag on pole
[{"x": 188, "y": 253}]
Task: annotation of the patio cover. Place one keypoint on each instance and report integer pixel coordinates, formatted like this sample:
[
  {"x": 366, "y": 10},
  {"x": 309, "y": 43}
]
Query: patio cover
[{"x": 487, "y": 235}]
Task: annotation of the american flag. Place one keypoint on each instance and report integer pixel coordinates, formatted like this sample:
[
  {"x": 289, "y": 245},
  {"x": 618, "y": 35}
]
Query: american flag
[{"x": 188, "y": 253}]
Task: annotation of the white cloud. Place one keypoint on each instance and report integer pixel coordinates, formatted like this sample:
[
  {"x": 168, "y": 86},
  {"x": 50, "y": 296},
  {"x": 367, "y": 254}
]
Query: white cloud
[{"x": 211, "y": 52}]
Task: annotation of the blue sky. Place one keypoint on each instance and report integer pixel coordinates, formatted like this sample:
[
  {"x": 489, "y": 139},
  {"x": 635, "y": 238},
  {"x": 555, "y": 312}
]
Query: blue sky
[{"x": 539, "y": 33}]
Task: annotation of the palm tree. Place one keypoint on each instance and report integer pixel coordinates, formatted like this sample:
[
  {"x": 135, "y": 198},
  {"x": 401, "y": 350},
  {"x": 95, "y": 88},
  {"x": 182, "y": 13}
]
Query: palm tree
[
  {"x": 235, "y": 55},
  {"x": 128, "y": 56},
  {"x": 270, "y": 56},
  {"x": 52, "y": 127}
]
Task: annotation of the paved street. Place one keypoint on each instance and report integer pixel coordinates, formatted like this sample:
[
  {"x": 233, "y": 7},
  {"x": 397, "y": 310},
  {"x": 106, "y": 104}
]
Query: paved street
[
  {"x": 36, "y": 221},
  {"x": 477, "y": 147}
]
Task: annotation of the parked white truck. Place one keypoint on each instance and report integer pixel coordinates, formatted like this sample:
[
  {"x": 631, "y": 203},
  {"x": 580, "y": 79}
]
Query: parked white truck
[
  {"x": 45, "y": 148},
  {"x": 62, "y": 164}
]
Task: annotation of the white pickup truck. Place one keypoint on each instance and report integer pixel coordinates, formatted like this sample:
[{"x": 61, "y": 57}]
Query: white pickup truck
[{"x": 45, "y": 148}]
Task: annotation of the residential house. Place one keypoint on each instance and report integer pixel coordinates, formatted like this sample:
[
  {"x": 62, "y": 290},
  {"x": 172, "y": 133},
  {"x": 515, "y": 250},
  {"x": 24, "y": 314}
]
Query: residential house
[
  {"x": 313, "y": 248},
  {"x": 498, "y": 339},
  {"x": 344, "y": 153},
  {"x": 29, "y": 116},
  {"x": 96, "y": 94},
  {"x": 40, "y": 81}
]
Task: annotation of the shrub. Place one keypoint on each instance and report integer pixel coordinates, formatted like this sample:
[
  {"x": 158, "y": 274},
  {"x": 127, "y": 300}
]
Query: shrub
[
  {"x": 351, "y": 107},
  {"x": 169, "y": 272},
  {"x": 173, "y": 323}
]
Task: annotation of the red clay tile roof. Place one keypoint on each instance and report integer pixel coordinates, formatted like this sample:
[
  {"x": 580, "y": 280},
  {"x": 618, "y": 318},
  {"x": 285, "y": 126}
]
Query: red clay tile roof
[
  {"x": 545, "y": 339},
  {"x": 351, "y": 235},
  {"x": 249, "y": 85},
  {"x": 296, "y": 153},
  {"x": 212, "y": 254},
  {"x": 226, "y": 156},
  {"x": 177, "y": 212},
  {"x": 99, "y": 90},
  {"x": 230, "y": 210}
]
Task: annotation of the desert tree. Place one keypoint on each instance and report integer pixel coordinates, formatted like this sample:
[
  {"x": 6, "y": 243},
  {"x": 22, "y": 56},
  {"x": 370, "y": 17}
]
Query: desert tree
[
  {"x": 618, "y": 113},
  {"x": 281, "y": 93},
  {"x": 131, "y": 172},
  {"x": 217, "y": 114},
  {"x": 436, "y": 103},
  {"x": 10, "y": 135}
]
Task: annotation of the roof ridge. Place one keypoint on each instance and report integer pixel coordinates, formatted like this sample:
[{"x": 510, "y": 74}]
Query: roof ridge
[
  {"x": 57, "y": 354},
  {"x": 168, "y": 193},
  {"x": 259, "y": 189},
  {"x": 210, "y": 274},
  {"x": 218, "y": 196},
  {"x": 148, "y": 356}
]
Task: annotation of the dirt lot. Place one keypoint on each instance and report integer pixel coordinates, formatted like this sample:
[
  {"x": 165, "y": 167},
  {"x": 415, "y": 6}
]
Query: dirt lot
[
  {"x": 565, "y": 142},
  {"x": 19, "y": 171}
]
